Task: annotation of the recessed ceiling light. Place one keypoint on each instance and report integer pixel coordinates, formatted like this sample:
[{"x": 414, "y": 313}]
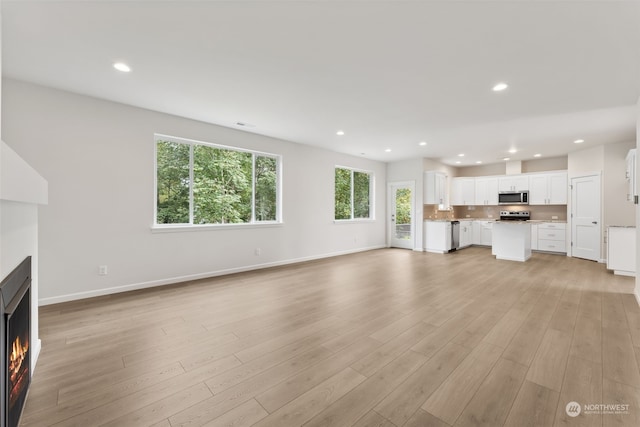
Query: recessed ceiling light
[
  {"x": 500, "y": 87},
  {"x": 458, "y": 162},
  {"x": 513, "y": 150},
  {"x": 578, "y": 141},
  {"x": 422, "y": 143},
  {"x": 461, "y": 155},
  {"x": 340, "y": 133},
  {"x": 388, "y": 150},
  {"x": 478, "y": 162},
  {"x": 537, "y": 155},
  {"x": 506, "y": 158},
  {"x": 121, "y": 66}
]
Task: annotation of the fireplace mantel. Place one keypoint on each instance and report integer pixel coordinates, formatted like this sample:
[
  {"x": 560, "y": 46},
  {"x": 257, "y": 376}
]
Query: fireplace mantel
[{"x": 19, "y": 182}]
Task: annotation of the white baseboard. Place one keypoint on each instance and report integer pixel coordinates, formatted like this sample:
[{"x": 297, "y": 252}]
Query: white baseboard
[{"x": 179, "y": 279}]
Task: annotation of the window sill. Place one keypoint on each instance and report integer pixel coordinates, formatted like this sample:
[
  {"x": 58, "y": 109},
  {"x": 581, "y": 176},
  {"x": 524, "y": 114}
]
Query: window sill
[
  {"x": 211, "y": 227},
  {"x": 353, "y": 221}
]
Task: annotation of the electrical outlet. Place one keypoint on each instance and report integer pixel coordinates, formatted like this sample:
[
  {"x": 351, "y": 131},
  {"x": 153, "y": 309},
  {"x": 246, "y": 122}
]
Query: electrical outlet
[
  {"x": 102, "y": 270},
  {"x": 554, "y": 216}
]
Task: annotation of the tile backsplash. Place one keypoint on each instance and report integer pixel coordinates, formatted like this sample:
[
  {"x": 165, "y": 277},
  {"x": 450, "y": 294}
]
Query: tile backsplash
[{"x": 538, "y": 212}]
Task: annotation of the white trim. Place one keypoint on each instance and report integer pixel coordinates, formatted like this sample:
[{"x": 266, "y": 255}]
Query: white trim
[
  {"x": 179, "y": 279},
  {"x": 36, "y": 353},
  {"x": 178, "y": 228}
]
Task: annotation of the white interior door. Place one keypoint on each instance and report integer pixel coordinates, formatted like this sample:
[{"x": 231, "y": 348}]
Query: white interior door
[
  {"x": 402, "y": 218},
  {"x": 585, "y": 217}
]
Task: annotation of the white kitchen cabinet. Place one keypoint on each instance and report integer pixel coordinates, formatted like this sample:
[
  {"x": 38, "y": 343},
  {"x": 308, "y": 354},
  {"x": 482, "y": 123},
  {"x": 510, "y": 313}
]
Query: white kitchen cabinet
[
  {"x": 435, "y": 188},
  {"x": 437, "y": 236},
  {"x": 476, "y": 228},
  {"x": 463, "y": 191},
  {"x": 534, "y": 237},
  {"x": 486, "y": 238},
  {"x": 487, "y": 191},
  {"x": 631, "y": 176},
  {"x": 548, "y": 189},
  {"x": 621, "y": 250},
  {"x": 552, "y": 237},
  {"x": 481, "y": 233},
  {"x": 513, "y": 183},
  {"x": 466, "y": 233}
]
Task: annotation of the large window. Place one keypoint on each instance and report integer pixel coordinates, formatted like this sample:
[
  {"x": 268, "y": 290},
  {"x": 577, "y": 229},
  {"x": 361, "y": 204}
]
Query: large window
[
  {"x": 199, "y": 183},
  {"x": 353, "y": 191}
]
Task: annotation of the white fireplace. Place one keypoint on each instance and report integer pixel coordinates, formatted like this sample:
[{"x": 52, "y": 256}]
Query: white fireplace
[{"x": 22, "y": 190}]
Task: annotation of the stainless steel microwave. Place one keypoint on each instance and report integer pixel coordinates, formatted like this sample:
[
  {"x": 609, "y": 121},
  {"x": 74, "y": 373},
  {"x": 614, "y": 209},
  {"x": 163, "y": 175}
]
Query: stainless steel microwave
[{"x": 513, "y": 198}]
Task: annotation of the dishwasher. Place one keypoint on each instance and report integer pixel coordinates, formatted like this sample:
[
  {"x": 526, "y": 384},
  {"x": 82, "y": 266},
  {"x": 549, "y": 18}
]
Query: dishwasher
[{"x": 455, "y": 235}]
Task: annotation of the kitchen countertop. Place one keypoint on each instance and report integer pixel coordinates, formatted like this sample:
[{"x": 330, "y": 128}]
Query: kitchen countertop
[
  {"x": 621, "y": 226},
  {"x": 534, "y": 221}
]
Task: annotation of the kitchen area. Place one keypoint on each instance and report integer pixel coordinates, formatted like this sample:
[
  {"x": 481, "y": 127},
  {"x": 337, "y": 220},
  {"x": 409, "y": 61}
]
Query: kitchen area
[
  {"x": 513, "y": 214},
  {"x": 519, "y": 214}
]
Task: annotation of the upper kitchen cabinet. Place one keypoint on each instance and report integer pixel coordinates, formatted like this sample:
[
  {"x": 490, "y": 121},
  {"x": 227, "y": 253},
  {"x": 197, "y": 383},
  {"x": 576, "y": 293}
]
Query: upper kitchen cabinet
[
  {"x": 463, "y": 191},
  {"x": 513, "y": 183},
  {"x": 486, "y": 191},
  {"x": 435, "y": 188},
  {"x": 548, "y": 189},
  {"x": 631, "y": 176}
]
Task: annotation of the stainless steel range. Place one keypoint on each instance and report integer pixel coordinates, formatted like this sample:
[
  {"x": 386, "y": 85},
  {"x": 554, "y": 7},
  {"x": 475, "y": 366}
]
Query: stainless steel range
[{"x": 515, "y": 215}]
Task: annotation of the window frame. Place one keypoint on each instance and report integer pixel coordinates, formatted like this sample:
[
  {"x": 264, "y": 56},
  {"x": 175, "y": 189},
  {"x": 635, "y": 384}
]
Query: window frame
[
  {"x": 372, "y": 204},
  {"x": 190, "y": 225}
]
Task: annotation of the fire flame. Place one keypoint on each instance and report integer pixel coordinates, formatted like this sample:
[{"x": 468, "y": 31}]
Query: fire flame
[{"x": 17, "y": 356}]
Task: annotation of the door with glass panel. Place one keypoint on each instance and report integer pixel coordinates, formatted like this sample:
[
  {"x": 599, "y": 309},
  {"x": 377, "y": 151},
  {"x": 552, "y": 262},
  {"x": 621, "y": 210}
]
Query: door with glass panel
[{"x": 401, "y": 215}]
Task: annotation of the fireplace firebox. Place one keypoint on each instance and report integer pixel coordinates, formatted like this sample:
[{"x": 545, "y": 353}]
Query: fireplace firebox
[{"x": 15, "y": 331}]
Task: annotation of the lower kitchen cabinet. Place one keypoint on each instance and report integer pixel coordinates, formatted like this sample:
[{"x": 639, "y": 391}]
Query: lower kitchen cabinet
[
  {"x": 621, "y": 250},
  {"x": 437, "y": 236},
  {"x": 466, "y": 233},
  {"x": 552, "y": 237},
  {"x": 482, "y": 233}
]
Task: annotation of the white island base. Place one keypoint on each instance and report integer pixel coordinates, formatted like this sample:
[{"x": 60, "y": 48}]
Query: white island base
[{"x": 511, "y": 240}]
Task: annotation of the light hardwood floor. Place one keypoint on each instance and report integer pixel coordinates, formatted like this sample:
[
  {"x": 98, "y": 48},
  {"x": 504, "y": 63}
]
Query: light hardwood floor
[{"x": 382, "y": 338}]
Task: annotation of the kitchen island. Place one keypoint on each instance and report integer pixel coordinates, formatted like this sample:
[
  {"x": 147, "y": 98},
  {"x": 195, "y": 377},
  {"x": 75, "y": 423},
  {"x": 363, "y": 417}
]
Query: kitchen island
[{"x": 511, "y": 240}]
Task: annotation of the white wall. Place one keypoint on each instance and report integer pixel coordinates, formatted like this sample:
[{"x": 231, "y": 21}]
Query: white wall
[
  {"x": 617, "y": 210},
  {"x": 638, "y": 210},
  {"x": 98, "y": 158}
]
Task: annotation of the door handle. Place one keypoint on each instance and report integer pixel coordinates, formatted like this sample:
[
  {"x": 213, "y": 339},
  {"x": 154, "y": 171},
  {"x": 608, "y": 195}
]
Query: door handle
[{"x": 594, "y": 222}]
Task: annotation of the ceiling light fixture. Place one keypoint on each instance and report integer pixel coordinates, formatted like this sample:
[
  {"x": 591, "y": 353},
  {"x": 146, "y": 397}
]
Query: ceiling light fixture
[
  {"x": 513, "y": 151},
  {"x": 478, "y": 162},
  {"x": 422, "y": 143},
  {"x": 537, "y": 155},
  {"x": 461, "y": 155},
  {"x": 458, "y": 162},
  {"x": 121, "y": 66},
  {"x": 500, "y": 87},
  {"x": 388, "y": 150},
  {"x": 340, "y": 133},
  {"x": 578, "y": 141},
  {"x": 506, "y": 158}
]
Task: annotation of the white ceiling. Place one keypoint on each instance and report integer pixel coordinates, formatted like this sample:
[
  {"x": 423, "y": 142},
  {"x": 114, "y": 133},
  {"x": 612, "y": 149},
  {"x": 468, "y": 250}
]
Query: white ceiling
[{"x": 388, "y": 73}]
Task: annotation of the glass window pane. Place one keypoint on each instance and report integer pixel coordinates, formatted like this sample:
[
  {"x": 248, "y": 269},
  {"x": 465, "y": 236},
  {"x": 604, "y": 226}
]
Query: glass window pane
[
  {"x": 172, "y": 176},
  {"x": 361, "y": 194},
  {"x": 343, "y": 194},
  {"x": 403, "y": 213},
  {"x": 266, "y": 185},
  {"x": 221, "y": 185}
]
